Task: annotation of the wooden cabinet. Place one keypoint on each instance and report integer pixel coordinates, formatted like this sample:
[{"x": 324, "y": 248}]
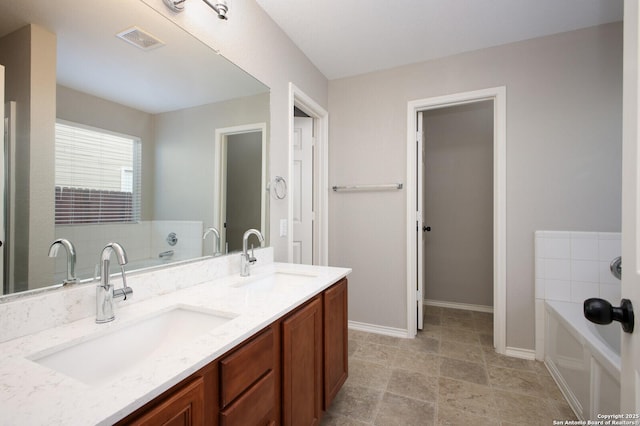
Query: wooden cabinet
[
  {"x": 288, "y": 373},
  {"x": 186, "y": 404},
  {"x": 336, "y": 353},
  {"x": 302, "y": 365},
  {"x": 249, "y": 382},
  {"x": 185, "y": 407}
]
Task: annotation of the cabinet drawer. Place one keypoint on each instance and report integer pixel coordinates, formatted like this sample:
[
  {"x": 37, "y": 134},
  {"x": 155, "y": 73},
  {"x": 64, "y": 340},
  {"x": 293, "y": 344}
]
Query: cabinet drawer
[
  {"x": 243, "y": 367},
  {"x": 253, "y": 407}
]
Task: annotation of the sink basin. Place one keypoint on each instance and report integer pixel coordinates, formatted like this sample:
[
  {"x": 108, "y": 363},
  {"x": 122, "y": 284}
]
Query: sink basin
[
  {"x": 107, "y": 356},
  {"x": 276, "y": 281}
]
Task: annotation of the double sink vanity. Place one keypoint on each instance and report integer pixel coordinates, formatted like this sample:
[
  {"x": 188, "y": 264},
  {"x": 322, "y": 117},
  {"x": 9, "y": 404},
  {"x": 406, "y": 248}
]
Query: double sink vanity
[{"x": 197, "y": 344}]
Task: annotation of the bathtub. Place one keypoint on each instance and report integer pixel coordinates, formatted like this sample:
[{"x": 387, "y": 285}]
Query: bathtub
[{"x": 584, "y": 359}]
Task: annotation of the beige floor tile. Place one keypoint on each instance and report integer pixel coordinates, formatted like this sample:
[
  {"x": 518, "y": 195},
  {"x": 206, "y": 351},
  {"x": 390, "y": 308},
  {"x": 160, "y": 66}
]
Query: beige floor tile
[
  {"x": 368, "y": 374},
  {"x": 459, "y": 335},
  {"x": 373, "y": 352},
  {"x": 466, "y": 323},
  {"x": 524, "y": 409},
  {"x": 463, "y": 370},
  {"x": 433, "y": 310},
  {"x": 397, "y": 410},
  {"x": 463, "y": 351},
  {"x": 493, "y": 358},
  {"x": 486, "y": 340},
  {"x": 432, "y": 320},
  {"x": 358, "y": 335},
  {"x": 448, "y": 416},
  {"x": 511, "y": 380},
  {"x": 357, "y": 403},
  {"x": 470, "y": 398},
  {"x": 353, "y": 345},
  {"x": 456, "y": 313},
  {"x": 423, "y": 343},
  {"x": 413, "y": 385},
  {"x": 420, "y": 362},
  {"x": 381, "y": 339},
  {"x": 550, "y": 387},
  {"x": 430, "y": 330},
  {"x": 331, "y": 419}
]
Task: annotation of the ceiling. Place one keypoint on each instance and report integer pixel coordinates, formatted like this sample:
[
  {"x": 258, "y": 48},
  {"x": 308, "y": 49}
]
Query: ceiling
[
  {"x": 184, "y": 72},
  {"x": 350, "y": 37}
]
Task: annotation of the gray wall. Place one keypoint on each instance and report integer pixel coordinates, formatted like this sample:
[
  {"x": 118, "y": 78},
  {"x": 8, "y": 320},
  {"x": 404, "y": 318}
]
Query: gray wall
[
  {"x": 458, "y": 204},
  {"x": 29, "y": 55},
  {"x": 251, "y": 40},
  {"x": 185, "y": 157},
  {"x": 564, "y": 101}
]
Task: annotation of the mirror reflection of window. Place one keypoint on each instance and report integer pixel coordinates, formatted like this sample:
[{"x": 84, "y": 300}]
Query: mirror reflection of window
[{"x": 97, "y": 176}]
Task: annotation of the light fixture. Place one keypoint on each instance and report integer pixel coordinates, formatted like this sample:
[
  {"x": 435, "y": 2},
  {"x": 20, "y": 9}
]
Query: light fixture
[
  {"x": 175, "y": 5},
  {"x": 220, "y": 6}
]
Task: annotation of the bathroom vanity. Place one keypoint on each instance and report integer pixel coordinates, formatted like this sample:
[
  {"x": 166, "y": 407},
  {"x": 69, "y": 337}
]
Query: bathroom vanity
[{"x": 197, "y": 345}]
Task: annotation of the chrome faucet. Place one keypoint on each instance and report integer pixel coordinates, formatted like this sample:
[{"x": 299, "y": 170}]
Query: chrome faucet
[
  {"x": 71, "y": 258},
  {"x": 105, "y": 294},
  {"x": 216, "y": 248},
  {"x": 246, "y": 260}
]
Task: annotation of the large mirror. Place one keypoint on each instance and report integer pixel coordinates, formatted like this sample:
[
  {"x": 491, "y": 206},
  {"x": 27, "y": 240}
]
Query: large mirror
[{"x": 122, "y": 127}]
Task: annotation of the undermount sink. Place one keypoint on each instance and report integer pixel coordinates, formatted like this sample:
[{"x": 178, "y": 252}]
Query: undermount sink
[
  {"x": 106, "y": 356},
  {"x": 276, "y": 281}
]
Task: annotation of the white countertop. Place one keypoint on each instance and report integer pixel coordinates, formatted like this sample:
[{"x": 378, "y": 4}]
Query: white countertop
[{"x": 31, "y": 394}]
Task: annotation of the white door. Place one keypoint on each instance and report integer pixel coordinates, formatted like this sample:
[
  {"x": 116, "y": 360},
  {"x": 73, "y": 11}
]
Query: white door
[
  {"x": 630, "y": 354},
  {"x": 303, "y": 190},
  {"x": 419, "y": 218}
]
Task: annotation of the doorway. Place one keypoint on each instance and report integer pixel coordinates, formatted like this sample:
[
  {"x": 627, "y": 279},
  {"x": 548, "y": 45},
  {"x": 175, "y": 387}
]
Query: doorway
[
  {"x": 415, "y": 213},
  {"x": 242, "y": 203},
  {"x": 309, "y": 193},
  {"x": 457, "y": 201}
]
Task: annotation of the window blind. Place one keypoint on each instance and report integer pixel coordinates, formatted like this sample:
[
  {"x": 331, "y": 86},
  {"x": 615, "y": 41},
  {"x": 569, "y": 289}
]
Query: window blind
[{"x": 97, "y": 176}]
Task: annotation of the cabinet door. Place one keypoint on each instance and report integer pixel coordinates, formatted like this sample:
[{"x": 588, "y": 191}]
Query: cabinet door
[
  {"x": 185, "y": 407},
  {"x": 302, "y": 366},
  {"x": 335, "y": 340}
]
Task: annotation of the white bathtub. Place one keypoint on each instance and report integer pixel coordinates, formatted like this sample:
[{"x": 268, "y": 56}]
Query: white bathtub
[{"x": 584, "y": 358}]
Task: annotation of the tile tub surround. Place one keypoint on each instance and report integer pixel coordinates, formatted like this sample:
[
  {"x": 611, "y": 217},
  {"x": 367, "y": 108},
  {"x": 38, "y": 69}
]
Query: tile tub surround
[
  {"x": 33, "y": 394},
  {"x": 572, "y": 267}
]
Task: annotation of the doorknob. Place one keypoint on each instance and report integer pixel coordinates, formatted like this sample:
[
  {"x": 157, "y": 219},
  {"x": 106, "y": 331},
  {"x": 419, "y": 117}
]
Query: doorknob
[
  {"x": 600, "y": 311},
  {"x": 426, "y": 228}
]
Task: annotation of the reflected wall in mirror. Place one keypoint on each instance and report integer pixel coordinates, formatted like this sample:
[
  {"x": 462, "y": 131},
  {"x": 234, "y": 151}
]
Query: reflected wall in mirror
[{"x": 64, "y": 63}]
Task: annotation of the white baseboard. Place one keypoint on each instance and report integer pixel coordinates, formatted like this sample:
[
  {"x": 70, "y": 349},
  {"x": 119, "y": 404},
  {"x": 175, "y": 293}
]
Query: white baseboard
[
  {"x": 378, "y": 329},
  {"x": 454, "y": 305},
  {"x": 529, "y": 354}
]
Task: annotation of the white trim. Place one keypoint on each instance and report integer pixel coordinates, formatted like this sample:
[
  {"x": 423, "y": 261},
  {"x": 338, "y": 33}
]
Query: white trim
[
  {"x": 455, "y": 305},
  {"x": 218, "y": 178},
  {"x": 297, "y": 98},
  {"x": 498, "y": 95},
  {"x": 378, "y": 329},
  {"x": 529, "y": 354}
]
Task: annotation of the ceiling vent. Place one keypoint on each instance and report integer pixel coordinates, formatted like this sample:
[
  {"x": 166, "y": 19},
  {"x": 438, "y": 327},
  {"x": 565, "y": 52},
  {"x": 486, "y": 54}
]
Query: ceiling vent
[{"x": 139, "y": 38}]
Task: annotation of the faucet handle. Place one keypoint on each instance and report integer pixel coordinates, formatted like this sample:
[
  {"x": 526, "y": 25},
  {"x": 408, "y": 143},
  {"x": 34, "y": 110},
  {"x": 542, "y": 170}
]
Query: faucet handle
[{"x": 125, "y": 291}]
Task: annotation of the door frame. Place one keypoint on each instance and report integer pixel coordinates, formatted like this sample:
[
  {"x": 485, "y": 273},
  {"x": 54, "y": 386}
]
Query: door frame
[
  {"x": 219, "y": 178},
  {"x": 297, "y": 98},
  {"x": 498, "y": 95}
]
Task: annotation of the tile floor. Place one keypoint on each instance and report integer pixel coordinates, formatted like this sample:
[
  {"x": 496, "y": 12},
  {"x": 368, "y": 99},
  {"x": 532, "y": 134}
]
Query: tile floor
[{"x": 449, "y": 375}]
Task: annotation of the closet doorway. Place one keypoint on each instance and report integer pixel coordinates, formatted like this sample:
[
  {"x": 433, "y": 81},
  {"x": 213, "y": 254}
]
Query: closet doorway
[
  {"x": 419, "y": 227},
  {"x": 457, "y": 201}
]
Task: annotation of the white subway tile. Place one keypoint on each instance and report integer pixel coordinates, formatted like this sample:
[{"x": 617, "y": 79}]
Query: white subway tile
[
  {"x": 609, "y": 249},
  {"x": 557, "y": 269},
  {"x": 557, "y": 248},
  {"x": 539, "y": 267},
  {"x": 583, "y": 290},
  {"x": 606, "y": 277},
  {"x": 611, "y": 292},
  {"x": 538, "y": 248},
  {"x": 558, "y": 290},
  {"x": 585, "y": 270},
  {"x": 584, "y": 246}
]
